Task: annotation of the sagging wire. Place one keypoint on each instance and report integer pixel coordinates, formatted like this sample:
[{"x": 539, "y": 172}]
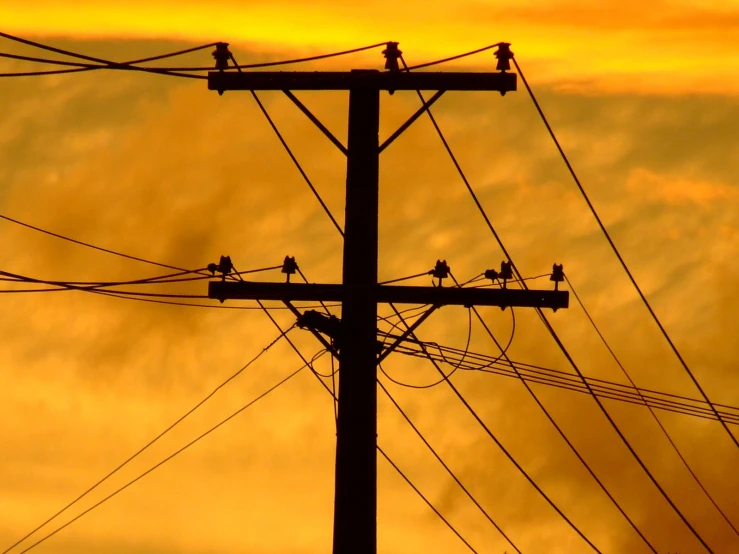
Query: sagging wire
[
  {"x": 99, "y": 63},
  {"x": 283, "y": 334},
  {"x": 446, "y": 376}
]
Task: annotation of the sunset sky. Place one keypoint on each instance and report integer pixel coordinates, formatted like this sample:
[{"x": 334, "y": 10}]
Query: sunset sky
[{"x": 643, "y": 97}]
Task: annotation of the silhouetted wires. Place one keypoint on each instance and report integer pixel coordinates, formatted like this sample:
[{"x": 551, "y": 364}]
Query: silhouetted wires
[
  {"x": 99, "y": 63},
  {"x": 651, "y": 410},
  {"x": 108, "y": 288},
  {"x": 162, "y": 462},
  {"x": 552, "y": 332},
  {"x": 335, "y": 400},
  {"x": 94, "y": 247},
  {"x": 487, "y": 430},
  {"x": 615, "y": 249},
  {"x": 561, "y": 379},
  {"x": 444, "y": 377},
  {"x": 445, "y": 466}
]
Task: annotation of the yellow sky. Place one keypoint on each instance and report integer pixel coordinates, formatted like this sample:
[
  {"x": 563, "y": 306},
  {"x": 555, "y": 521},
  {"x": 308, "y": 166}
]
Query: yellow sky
[
  {"x": 164, "y": 169},
  {"x": 617, "y": 45}
]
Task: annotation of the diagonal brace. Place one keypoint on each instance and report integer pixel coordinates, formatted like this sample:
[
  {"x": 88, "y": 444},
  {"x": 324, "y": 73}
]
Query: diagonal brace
[
  {"x": 411, "y": 120},
  {"x": 316, "y": 122},
  {"x": 385, "y": 353}
]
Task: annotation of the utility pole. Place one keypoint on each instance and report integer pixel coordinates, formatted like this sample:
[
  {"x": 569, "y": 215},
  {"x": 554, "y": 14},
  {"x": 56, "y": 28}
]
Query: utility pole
[{"x": 355, "y": 506}]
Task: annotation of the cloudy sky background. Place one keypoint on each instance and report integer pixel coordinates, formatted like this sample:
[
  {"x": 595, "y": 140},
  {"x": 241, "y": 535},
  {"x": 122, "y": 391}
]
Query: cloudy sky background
[{"x": 643, "y": 99}]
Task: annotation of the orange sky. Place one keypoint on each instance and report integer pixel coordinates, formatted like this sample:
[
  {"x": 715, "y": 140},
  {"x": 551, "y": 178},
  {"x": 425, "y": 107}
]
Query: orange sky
[
  {"x": 164, "y": 169},
  {"x": 625, "y": 45}
]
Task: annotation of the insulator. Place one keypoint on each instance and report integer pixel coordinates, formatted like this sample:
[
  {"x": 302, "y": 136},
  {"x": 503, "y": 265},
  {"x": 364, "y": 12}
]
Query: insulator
[
  {"x": 506, "y": 271},
  {"x": 491, "y": 274},
  {"x": 558, "y": 274},
  {"x": 441, "y": 270},
  {"x": 504, "y": 55},
  {"x": 222, "y": 54},
  {"x": 289, "y": 266},
  {"x": 225, "y": 266},
  {"x": 392, "y": 56}
]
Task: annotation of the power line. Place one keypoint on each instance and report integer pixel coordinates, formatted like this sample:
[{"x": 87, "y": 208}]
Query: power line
[
  {"x": 504, "y": 450},
  {"x": 155, "y": 439},
  {"x": 452, "y": 58},
  {"x": 87, "y": 67},
  {"x": 191, "y": 305},
  {"x": 400, "y": 279},
  {"x": 446, "y": 467},
  {"x": 128, "y": 66},
  {"x": 165, "y": 460},
  {"x": 87, "y": 286},
  {"x": 89, "y": 245},
  {"x": 444, "y": 376},
  {"x": 523, "y": 284},
  {"x": 99, "y": 60},
  {"x": 615, "y": 249},
  {"x": 656, "y": 418},
  {"x": 566, "y": 381},
  {"x": 426, "y": 500},
  {"x": 556, "y": 337}
]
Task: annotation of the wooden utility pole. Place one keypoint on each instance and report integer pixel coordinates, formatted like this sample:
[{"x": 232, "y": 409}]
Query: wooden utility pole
[{"x": 355, "y": 507}]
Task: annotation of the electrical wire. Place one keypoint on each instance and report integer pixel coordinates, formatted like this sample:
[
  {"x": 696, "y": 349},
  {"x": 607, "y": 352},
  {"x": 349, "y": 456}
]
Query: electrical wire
[
  {"x": 651, "y": 410},
  {"x": 445, "y": 376},
  {"x": 615, "y": 249},
  {"x": 165, "y": 460},
  {"x": 155, "y": 439},
  {"x": 324, "y": 375},
  {"x": 565, "y": 381},
  {"x": 503, "y": 351},
  {"x": 405, "y": 278},
  {"x": 105, "y": 64},
  {"x": 191, "y": 305},
  {"x": 503, "y": 449},
  {"x": 90, "y": 285},
  {"x": 181, "y": 52},
  {"x": 89, "y": 245},
  {"x": 335, "y": 399},
  {"x": 536, "y": 399},
  {"x": 561, "y": 346},
  {"x": 95, "y": 288},
  {"x": 387, "y": 319},
  {"x": 98, "y": 60},
  {"x": 312, "y": 58},
  {"x": 473, "y": 280},
  {"x": 568, "y": 381},
  {"x": 498, "y": 284},
  {"x": 452, "y": 58},
  {"x": 426, "y": 500},
  {"x": 446, "y": 467},
  {"x": 142, "y": 297}
]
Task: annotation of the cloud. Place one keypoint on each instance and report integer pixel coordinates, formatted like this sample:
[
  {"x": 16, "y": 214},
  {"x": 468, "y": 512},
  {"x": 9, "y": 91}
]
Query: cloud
[{"x": 171, "y": 171}]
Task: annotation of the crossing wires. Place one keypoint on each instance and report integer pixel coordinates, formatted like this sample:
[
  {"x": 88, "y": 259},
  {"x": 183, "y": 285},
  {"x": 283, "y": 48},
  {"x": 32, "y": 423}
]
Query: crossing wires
[
  {"x": 93, "y": 63},
  {"x": 616, "y": 251},
  {"x": 503, "y": 64}
]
